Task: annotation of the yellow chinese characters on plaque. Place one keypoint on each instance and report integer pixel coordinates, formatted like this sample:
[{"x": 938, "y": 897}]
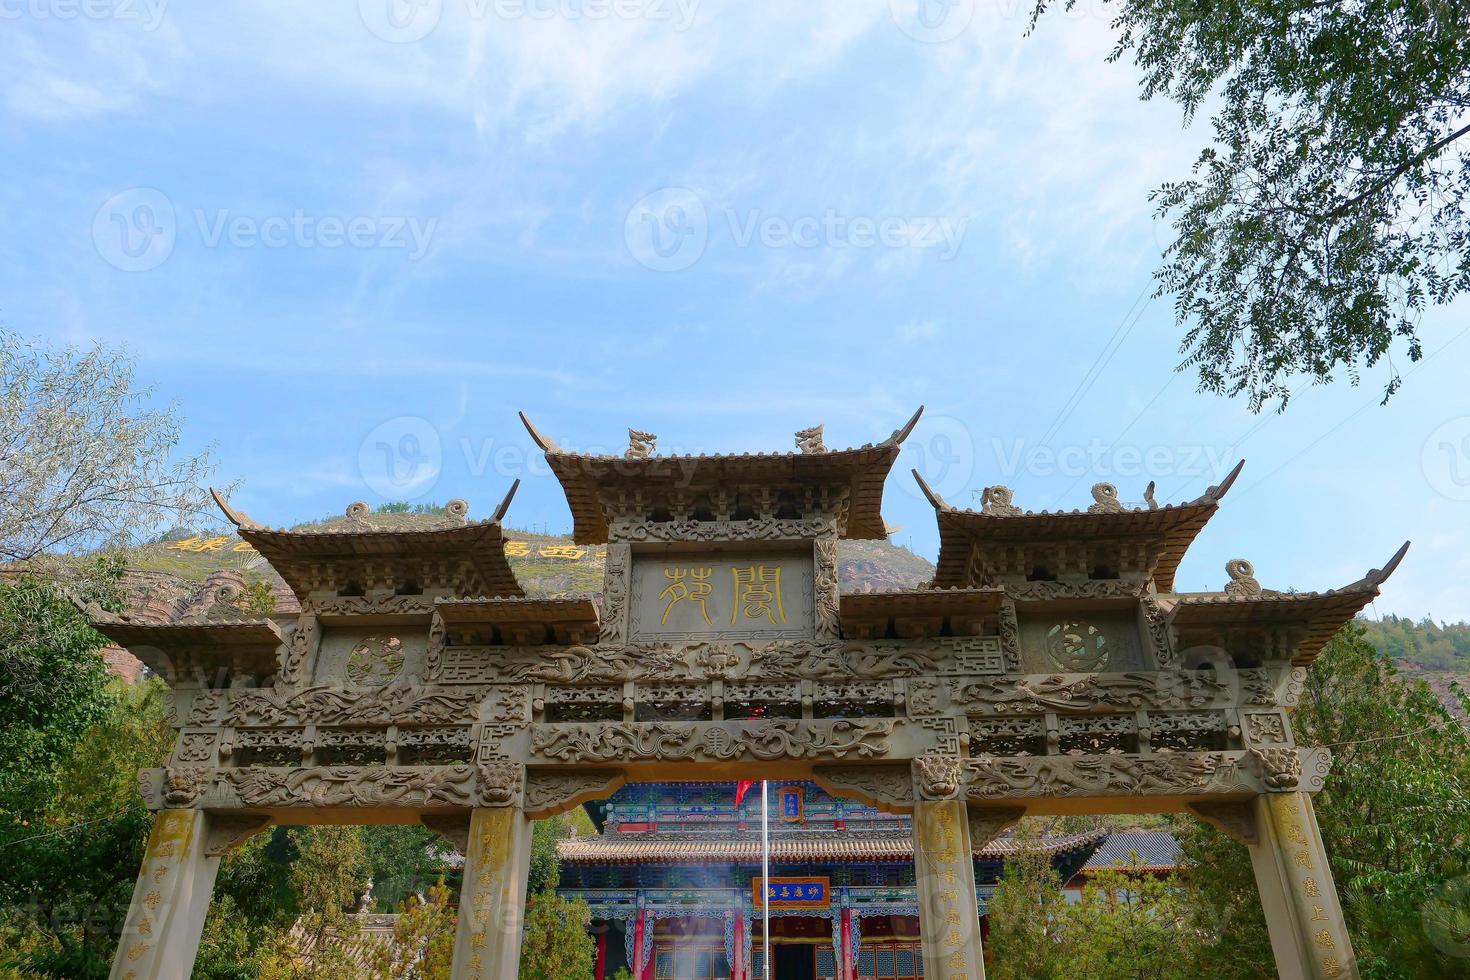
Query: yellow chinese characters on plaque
[{"x": 748, "y": 597}]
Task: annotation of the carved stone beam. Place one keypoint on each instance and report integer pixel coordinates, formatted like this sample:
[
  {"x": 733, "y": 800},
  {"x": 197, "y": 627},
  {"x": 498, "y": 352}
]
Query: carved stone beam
[
  {"x": 226, "y": 832},
  {"x": 453, "y": 827},
  {"x": 1233, "y": 818},
  {"x": 890, "y": 788},
  {"x": 988, "y": 823},
  {"x": 558, "y": 791}
]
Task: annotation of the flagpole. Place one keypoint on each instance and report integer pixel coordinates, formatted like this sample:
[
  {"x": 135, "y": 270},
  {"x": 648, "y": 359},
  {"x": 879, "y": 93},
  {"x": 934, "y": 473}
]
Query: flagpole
[{"x": 766, "y": 879}]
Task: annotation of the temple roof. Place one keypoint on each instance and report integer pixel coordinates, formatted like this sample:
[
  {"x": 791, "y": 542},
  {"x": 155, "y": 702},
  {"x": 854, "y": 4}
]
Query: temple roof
[
  {"x": 1172, "y": 527},
  {"x": 454, "y": 547},
  {"x": 793, "y": 848},
  {"x": 1318, "y": 615},
  {"x": 569, "y": 619},
  {"x": 239, "y": 644},
  {"x": 913, "y": 613},
  {"x": 1136, "y": 850},
  {"x": 587, "y": 478}
]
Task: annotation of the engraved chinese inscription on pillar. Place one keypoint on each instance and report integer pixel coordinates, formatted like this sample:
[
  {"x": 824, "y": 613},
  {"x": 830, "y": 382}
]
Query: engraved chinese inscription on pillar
[{"x": 756, "y": 597}]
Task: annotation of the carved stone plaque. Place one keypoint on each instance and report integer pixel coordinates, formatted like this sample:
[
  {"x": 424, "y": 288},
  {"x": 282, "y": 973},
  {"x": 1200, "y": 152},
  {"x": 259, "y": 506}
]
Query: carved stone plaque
[{"x": 755, "y": 597}]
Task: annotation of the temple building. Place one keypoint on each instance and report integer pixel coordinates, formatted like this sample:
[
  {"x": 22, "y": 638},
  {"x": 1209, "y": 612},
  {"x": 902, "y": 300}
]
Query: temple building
[{"x": 676, "y": 868}]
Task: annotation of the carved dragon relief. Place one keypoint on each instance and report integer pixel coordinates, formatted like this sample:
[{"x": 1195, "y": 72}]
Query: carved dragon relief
[
  {"x": 327, "y": 705},
  {"x": 671, "y": 741},
  {"x": 988, "y": 778}
]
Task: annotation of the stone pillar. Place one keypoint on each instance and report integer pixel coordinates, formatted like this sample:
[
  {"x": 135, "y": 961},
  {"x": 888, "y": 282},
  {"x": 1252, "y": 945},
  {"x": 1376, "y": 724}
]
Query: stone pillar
[
  {"x": 487, "y": 941},
  {"x": 160, "y": 936},
  {"x": 949, "y": 918},
  {"x": 1298, "y": 895}
]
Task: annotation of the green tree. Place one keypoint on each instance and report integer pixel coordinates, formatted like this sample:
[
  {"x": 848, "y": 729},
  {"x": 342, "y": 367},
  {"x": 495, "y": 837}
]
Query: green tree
[
  {"x": 72, "y": 867},
  {"x": 1395, "y": 814},
  {"x": 327, "y": 876},
  {"x": 556, "y": 944},
  {"x": 1330, "y": 210},
  {"x": 1023, "y": 929},
  {"x": 423, "y": 940},
  {"x": 1130, "y": 925},
  {"x": 53, "y": 687},
  {"x": 403, "y": 859}
]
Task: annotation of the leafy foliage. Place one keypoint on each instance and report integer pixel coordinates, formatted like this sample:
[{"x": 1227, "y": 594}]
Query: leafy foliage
[
  {"x": 1427, "y": 644},
  {"x": 85, "y": 462},
  {"x": 557, "y": 943},
  {"x": 1127, "y": 924},
  {"x": 1330, "y": 211},
  {"x": 423, "y": 940},
  {"x": 53, "y": 686}
]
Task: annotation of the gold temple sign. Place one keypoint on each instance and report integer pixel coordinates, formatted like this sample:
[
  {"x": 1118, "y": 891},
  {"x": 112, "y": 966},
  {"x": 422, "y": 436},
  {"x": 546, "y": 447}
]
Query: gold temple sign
[{"x": 735, "y": 597}]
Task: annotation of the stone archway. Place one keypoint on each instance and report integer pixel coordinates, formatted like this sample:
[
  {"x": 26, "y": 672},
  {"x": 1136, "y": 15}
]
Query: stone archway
[{"x": 1040, "y": 673}]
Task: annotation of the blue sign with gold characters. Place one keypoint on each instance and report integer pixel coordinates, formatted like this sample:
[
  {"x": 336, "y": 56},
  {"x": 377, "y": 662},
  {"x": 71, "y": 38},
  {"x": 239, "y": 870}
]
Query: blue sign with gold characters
[
  {"x": 794, "y": 893},
  {"x": 791, "y": 804}
]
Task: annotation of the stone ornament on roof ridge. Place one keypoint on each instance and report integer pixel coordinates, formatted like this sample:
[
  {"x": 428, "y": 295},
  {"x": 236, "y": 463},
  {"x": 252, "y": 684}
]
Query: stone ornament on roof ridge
[
  {"x": 641, "y": 445},
  {"x": 456, "y": 514},
  {"x": 996, "y": 501}
]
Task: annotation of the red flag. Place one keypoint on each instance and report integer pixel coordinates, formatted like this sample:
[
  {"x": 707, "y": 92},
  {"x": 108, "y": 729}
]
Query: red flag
[{"x": 741, "y": 788}]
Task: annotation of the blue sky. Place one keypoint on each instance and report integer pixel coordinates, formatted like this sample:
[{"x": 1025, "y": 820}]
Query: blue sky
[{"x": 351, "y": 239}]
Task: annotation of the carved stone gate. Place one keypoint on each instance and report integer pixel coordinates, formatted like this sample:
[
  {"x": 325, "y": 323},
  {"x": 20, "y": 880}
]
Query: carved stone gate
[{"x": 1049, "y": 668}]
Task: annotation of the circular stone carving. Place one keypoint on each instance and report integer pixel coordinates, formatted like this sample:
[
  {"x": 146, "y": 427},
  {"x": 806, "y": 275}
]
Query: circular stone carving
[
  {"x": 457, "y": 509},
  {"x": 1077, "y": 647},
  {"x": 375, "y": 661}
]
